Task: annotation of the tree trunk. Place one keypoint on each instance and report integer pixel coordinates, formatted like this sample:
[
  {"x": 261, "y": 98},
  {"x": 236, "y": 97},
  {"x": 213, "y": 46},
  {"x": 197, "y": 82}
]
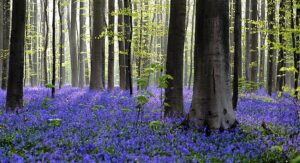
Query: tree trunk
[
  {"x": 281, "y": 57},
  {"x": 83, "y": 47},
  {"x": 98, "y": 44},
  {"x": 121, "y": 31},
  {"x": 34, "y": 45},
  {"x": 6, "y": 32},
  {"x": 61, "y": 46},
  {"x": 128, "y": 40},
  {"x": 295, "y": 39},
  {"x": 111, "y": 57},
  {"x": 53, "y": 52},
  {"x": 174, "y": 91},
  {"x": 1, "y": 37},
  {"x": 73, "y": 44},
  {"x": 247, "y": 52},
  {"x": 212, "y": 103},
  {"x": 254, "y": 42},
  {"x": 237, "y": 51},
  {"x": 271, "y": 37},
  {"x": 46, "y": 42},
  {"x": 14, "y": 98},
  {"x": 262, "y": 43}
]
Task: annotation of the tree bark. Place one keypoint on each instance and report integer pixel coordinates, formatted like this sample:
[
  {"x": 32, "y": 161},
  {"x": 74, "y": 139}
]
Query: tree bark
[
  {"x": 281, "y": 57},
  {"x": 46, "y": 42},
  {"x": 121, "y": 31},
  {"x": 212, "y": 102},
  {"x": 98, "y": 44},
  {"x": 6, "y": 32},
  {"x": 73, "y": 44},
  {"x": 254, "y": 42},
  {"x": 61, "y": 46},
  {"x": 14, "y": 98},
  {"x": 175, "y": 52},
  {"x": 262, "y": 43},
  {"x": 111, "y": 56},
  {"x": 271, "y": 37},
  {"x": 83, "y": 46},
  {"x": 248, "y": 34},
  {"x": 237, "y": 51},
  {"x": 53, "y": 53}
]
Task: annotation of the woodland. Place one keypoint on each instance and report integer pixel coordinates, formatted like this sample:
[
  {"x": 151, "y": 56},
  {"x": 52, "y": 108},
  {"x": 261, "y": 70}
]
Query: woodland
[{"x": 149, "y": 81}]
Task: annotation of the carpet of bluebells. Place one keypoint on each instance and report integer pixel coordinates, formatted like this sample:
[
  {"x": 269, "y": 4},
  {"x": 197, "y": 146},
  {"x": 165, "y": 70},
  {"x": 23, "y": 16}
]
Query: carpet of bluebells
[{"x": 83, "y": 126}]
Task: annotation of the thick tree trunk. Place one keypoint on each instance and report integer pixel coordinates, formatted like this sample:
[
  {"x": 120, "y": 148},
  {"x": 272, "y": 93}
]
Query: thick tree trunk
[
  {"x": 61, "y": 46},
  {"x": 174, "y": 91},
  {"x": 98, "y": 44},
  {"x": 73, "y": 44},
  {"x": 14, "y": 98},
  {"x": 237, "y": 51},
  {"x": 212, "y": 102},
  {"x": 271, "y": 37},
  {"x": 254, "y": 42},
  {"x": 111, "y": 56},
  {"x": 6, "y": 32}
]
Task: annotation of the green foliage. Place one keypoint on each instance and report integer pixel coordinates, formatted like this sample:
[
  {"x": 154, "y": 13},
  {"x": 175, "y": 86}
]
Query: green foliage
[
  {"x": 50, "y": 86},
  {"x": 296, "y": 160},
  {"x": 142, "y": 99},
  {"x": 248, "y": 86},
  {"x": 156, "y": 125},
  {"x": 163, "y": 81},
  {"x": 54, "y": 122},
  {"x": 45, "y": 102},
  {"x": 97, "y": 107}
]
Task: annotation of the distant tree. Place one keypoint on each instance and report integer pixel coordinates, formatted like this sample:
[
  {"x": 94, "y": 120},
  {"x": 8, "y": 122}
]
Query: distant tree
[
  {"x": 53, "y": 52},
  {"x": 237, "y": 51},
  {"x": 272, "y": 39},
  {"x": 61, "y": 13},
  {"x": 174, "y": 91},
  {"x": 262, "y": 42},
  {"x": 212, "y": 103},
  {"x": 248, "y": 39},
  {"x": 98, "y": 44},
  {"x": 14, "y": 98}
]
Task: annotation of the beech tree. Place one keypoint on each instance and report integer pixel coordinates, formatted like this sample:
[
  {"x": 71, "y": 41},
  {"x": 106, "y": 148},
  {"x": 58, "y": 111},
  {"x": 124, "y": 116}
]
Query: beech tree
[
  {"x": 14, "y": 98},
  {"x": 174, "y": 91},
  {"x": 211, "y": 103},
  {"x": 98, "y": 44}
]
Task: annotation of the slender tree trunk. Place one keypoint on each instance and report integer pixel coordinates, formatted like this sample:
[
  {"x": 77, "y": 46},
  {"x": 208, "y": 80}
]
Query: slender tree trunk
[
  {"x": 254, "y": 42},
  {"x": 212, "y": 102},
  {"x": 248, "y": 34},
  {"x": 6, "y": 32},
  {"x": 121, "y": 31},
  {"x": 281, "y": 57},
  {"x": 111, "y": 57},
  {"x": 73, "y": 44},
  {"x": 61, "y": 46},
  {"x": 174, "y": 91},
  {"x": 46, "y": 42},
  {"x": 128, "y": 40},
  {"x": 237, "y": 51},
  {"x": 14, "y": 98},
  {"x": 1, "y": 38},
  {"x": 98, "y": 44},
  {"x": 294, "y": 43},
  {"x": 262, "y": 43},
  {"x": 53, "y": 52},
  {"x": 83, "y": 46},
  {"x": 34, "y": 45},
  {"x": 192, "y": 45},
  {"x": 271, "y": 37}
]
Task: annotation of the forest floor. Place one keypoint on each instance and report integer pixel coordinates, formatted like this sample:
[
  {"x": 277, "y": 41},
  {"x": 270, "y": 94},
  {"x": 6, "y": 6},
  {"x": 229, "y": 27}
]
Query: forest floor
[{"x": 83, "y": 126}]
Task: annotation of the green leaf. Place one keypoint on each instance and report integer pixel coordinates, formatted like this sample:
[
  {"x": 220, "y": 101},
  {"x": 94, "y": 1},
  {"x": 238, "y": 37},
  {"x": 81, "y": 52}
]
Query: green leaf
[{"x": 54, "y": 122}]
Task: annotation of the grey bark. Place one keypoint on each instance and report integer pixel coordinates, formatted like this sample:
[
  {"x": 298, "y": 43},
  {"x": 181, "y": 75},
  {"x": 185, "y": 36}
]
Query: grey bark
[
  {"x": 6, "y": 32},
  {"x": 247, "y": 50},
  {"x": 254, "y": 42},
  {"x": 98, "y": 44},
  {"x": 83, "y": 43},
  {"x": 271, "y": 37},
  {"x": 111, "y": 56},
  {"x": 121, "y": 31},
  {"x": 212, "y": 103}
]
